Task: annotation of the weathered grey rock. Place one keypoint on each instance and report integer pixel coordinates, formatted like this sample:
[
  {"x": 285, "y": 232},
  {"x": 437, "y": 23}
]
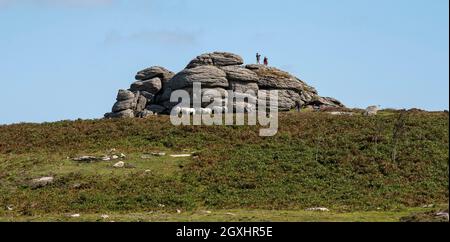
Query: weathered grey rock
[
  {"x": 155, "y": 71},
  {"x": 208, "y": 95},
  {"x": 152, "y": 85},
  {"x": 332, "y": 102},
  {"x": 41, "y": 182},
  {"x": 254, "y": 66},
  {"x": 220, "y": 71},
  {"x": 307, "y": 96},
  {"x": 164, "y": 96},
  {"x": 318, "y": 209},
  {"x": 208, "y": 76},
  {"x": 145, "y": 114},
  {"x": 158, "y": 109},
  {"x": 216, "y": 59},
  {"x": 287, "y": 99},
  {"x": 240, "y": 74},
  {"x": 124, "y": 105},
  {"x": 321, "y": 102},
  {"x": 243, "y": 97},
  {"x": 244, "y": 107},
  {"x": 122, "y": 114},
  {"x": 169, "y": 105},
  {"x": 243, "y": 87},
  {"x": 124, "y": 95},
  {"x": 141, "y": 103},
  {"x": 273, "y": 78},
  {"x": 149, "y": 96},
  {"x": 371, "y": 111},
  {"x": 119, "y": 164}
]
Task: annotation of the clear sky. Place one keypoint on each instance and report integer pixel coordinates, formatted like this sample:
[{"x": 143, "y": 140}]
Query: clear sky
[{"x": 66, "y": 59}]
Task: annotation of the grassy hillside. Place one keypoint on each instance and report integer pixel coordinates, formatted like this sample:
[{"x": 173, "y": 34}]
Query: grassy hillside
[{"x": 345, "y": 163}]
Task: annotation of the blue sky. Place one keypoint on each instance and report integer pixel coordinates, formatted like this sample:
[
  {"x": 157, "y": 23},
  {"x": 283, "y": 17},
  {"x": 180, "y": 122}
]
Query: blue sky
[{"x": 66, "y": 59}]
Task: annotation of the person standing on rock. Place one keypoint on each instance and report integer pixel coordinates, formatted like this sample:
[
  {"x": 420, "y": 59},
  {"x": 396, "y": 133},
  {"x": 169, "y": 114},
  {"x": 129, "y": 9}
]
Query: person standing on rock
[
  {"x": 258, "y": 58},
  {"x": 266, "y": 61}
]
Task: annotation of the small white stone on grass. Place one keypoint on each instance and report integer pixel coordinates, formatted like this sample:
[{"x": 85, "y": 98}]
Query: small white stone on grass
[
  {"x": 318, "y": 209},
  {"x": 43, "y": 181},
  {"x": 119, "y": 164},
  {"x": 77, "y": 215},
  {"x": 428, "y": 206},
  {"x": 181, "y": 155}
]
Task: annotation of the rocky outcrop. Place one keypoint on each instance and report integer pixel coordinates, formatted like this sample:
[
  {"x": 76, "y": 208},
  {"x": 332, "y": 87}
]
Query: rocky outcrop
[
  {"x": 240, "y": 74},
  {"x": 155, "y": 71},
  {"x": 218, "y": 71},
  {"x": 208, "y": 76},
  {"x": 273, "y": 78},
  {"x": 151, "y": 86},
  {"x": 216, "y": 59}
]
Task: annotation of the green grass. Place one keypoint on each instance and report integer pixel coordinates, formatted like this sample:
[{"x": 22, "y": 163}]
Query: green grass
[
  {"x": 344, "y": 163},
  {"x": 234, "y": 215}
]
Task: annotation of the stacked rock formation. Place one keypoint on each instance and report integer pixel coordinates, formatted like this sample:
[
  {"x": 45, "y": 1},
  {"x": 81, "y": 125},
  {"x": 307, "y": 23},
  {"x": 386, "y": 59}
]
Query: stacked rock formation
[{"x": 220, "y": 71}]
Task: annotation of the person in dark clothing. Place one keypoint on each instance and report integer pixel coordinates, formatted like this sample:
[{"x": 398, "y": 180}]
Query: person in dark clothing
[
  {"x": 258, "y": 58},
  {"x": 298, "y": 106},
  {"x": 266, "y": 61}
]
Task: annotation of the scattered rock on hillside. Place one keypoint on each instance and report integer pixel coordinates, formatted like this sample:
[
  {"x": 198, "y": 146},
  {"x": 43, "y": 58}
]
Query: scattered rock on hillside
[
  {"x": 119, "y": 164},
  {"x": 181, "y": 155},
  {"x": 371, "y": 111},
  {"x": 89, "y": 158},
  {"x": 41, "y": 182},
  {"x": 318, "y": 209}
]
